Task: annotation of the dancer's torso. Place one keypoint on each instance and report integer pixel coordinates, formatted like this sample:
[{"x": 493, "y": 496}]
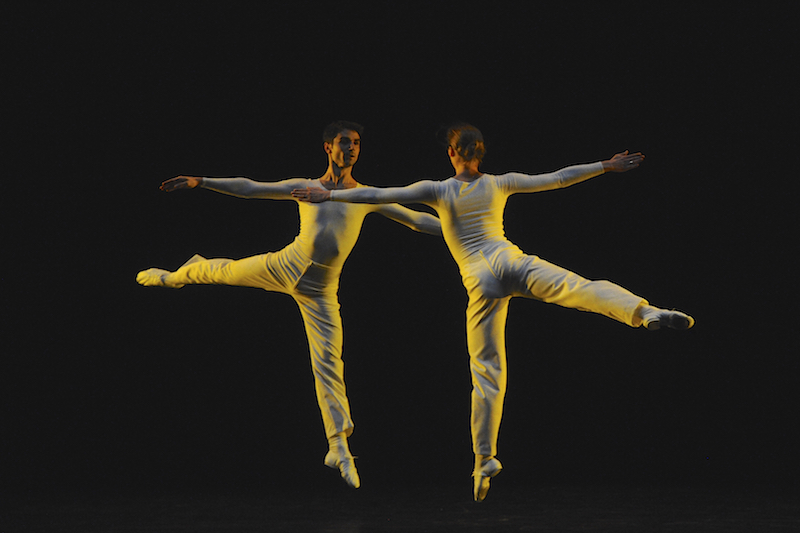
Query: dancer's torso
[
  {"x": 329, "y": 230},
  {"x": 472, "y": 217}
]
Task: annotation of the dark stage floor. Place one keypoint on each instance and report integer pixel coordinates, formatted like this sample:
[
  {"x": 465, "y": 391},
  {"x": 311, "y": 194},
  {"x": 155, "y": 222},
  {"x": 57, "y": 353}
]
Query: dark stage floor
[{"x": 536, "y": 508}]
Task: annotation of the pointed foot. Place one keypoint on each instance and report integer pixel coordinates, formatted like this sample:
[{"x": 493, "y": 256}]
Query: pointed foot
[
  {"x": 154, "y": 277},
  {"x": 668, "y": 319},
  {"x": 346, "y": 465},
  {"x": 482, "y": 476}
]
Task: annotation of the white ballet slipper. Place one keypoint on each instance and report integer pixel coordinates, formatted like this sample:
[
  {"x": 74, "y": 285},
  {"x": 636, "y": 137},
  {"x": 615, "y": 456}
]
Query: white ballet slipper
[
  {"x": 154, "y": 277},
  {"x": 482, "y": 476},
  {"x": 346, "y": 465}
]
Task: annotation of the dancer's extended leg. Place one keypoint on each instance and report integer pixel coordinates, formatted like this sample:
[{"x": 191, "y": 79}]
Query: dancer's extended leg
[
  {"x": 553, "y": 284},
  {"x": 248, "y": 272}
]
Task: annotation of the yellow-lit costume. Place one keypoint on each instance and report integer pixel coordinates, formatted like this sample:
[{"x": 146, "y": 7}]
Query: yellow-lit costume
[
  {"x": 493, "y": 270},
  {"x": 308, "y": 270}
]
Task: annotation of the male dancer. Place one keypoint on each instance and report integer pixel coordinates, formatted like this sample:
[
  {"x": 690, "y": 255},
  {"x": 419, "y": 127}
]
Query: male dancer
[{"x": 308, "y": 269}]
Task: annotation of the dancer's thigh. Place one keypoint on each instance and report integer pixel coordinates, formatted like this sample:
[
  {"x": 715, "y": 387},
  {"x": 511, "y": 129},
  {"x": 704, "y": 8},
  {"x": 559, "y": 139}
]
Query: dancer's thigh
[
  {"x": 542, "y": 280},
  {"x": 265, "y": 271}
]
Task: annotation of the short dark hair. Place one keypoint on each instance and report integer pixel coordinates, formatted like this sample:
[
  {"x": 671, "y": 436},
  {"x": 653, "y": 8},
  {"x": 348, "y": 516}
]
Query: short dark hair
[
  {"x": 466, "y": 140},
  {"x": 335, "y": 128}
]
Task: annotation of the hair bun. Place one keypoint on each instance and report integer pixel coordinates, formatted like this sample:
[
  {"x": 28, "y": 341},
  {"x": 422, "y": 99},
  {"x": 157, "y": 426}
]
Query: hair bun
[{"x": 467, "y": 141}]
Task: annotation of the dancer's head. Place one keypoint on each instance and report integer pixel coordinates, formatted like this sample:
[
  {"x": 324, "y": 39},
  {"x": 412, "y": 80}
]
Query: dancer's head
[
  {"x": 335, "y": 128},
  {"x": 465, "y": 141},
  {"x": 341, "y": 140}
]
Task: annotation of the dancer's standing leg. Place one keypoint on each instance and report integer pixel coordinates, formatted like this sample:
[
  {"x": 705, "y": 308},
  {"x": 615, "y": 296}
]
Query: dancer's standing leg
[
  {"x": 486, "y": 323},
  {"x": 316, "y": 296}
]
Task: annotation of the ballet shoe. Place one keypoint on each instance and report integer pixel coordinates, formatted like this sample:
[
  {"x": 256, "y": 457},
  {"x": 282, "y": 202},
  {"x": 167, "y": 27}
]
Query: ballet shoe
[
  {"x": 346, "y": 465},
  {"x": 483, "y": 475},
  {"x": 154, "y": 277},
  {"x": 664, "y": 318}
]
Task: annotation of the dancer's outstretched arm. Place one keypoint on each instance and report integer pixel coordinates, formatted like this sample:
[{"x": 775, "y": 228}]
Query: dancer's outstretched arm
[
  {"x": 416, "y": 220},
  {"x": 622, "y": 162},
  {"x": 420, "y": 192},
  {"x": 240, "y": 187}
]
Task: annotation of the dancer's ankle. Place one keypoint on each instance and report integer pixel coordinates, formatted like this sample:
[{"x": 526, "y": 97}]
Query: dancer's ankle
[
  {"x": 338, "y": 443},
  {"x": 645, "y": 312},
  {"x": 481, "y": 460}
]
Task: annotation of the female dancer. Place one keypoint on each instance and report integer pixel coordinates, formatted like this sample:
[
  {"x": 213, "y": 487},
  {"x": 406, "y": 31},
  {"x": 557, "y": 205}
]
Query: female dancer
[{"x": 470, "y": 206}]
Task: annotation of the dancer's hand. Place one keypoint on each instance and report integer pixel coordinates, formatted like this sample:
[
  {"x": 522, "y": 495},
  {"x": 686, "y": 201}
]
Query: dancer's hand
[
  {"x": 623, "y": 162},
  {"x": 314, "y": 195},
  {"x": 181, "y": 182}
]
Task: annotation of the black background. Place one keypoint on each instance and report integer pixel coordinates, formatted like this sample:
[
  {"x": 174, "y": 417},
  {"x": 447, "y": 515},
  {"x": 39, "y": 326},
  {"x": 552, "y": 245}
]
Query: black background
[{"x": 107, "y": 385}]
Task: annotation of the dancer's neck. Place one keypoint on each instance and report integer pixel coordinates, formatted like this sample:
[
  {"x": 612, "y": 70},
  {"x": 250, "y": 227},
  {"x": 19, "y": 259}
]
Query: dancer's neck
[{"x": 337, "y": 177}]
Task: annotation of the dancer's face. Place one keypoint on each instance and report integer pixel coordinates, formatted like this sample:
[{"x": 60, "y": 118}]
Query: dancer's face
[{"x": 345, "y": 148}]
